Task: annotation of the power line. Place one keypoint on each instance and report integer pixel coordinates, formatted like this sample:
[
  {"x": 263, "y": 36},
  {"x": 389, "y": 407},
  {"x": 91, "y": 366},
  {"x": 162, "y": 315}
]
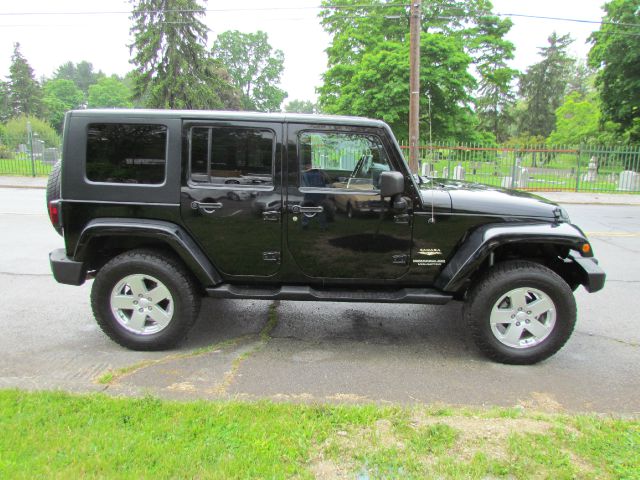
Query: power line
[{"x": 328, "y": 7}]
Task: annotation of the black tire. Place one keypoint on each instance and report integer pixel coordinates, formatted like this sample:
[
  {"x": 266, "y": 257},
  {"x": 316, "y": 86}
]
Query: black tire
[
  {"x": 496, "y": 286},
  {"x": 53, "y": 189},
  {"x": 155, "y": 265},
  {"x": 350, "y": 212}
]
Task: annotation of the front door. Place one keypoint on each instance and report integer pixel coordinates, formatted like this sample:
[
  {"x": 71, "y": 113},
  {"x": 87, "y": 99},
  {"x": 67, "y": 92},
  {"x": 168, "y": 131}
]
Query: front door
[
  {"x": 338, "y": 227},
  {"x": 232, "y": 199}
]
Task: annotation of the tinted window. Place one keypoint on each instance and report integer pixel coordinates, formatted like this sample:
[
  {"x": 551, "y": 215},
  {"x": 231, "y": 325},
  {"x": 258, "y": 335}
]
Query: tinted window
[
  {"x": 126, "y": 153},
  {"x": 341, "y": 160},
  {"x": 232, "y": 155}
]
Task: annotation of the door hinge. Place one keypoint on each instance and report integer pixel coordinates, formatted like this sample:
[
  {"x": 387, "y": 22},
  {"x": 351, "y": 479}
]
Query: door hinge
[
  {"x": 271, "y": 256},
  {"x": 400, "y": 259}
]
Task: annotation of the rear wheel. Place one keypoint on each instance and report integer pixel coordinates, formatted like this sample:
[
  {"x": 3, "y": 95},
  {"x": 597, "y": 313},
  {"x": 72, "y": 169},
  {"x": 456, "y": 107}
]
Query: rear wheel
[
  {"x": 145, "y": 300},
  {"x": 520, "y": 313}
]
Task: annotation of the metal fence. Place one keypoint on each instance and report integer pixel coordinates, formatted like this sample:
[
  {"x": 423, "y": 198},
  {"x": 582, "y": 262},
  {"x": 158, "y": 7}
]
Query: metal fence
[
  {"x": 27, "y": 155},
  {"x": 587, "y": 168}
]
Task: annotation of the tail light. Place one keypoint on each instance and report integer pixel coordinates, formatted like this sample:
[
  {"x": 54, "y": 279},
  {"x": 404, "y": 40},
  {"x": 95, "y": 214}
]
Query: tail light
[{"x": 54, "y": 214}]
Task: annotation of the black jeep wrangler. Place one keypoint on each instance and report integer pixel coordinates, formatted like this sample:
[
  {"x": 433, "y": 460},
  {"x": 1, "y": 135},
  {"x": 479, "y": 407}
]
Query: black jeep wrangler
[{"x": 163, "y": 207}]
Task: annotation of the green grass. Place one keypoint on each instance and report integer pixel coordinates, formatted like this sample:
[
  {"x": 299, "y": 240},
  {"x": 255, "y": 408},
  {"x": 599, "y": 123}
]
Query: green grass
[
  {"x": 23, "y": 167},
  {"x": 58, "y": 435}
]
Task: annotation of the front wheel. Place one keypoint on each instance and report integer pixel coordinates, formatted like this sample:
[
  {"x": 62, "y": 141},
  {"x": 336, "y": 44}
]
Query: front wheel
[
  {"x": 145, "y": 300},
  {"x": 520, "y": 313}
]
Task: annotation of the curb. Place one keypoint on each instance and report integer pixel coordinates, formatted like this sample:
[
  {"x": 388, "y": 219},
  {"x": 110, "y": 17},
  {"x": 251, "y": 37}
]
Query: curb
[{"x": 40, "y": 187}]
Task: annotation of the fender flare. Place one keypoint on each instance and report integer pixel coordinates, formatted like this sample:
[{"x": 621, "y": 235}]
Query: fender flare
[
  {"x": 174, "y": 236},
  {"x": 484, "y": 240}
]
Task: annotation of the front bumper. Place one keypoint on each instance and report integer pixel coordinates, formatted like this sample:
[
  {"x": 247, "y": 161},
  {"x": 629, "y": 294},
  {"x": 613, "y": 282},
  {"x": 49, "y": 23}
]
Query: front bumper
[
  {"x": 65, "y": 270},
  {"x": 592, "y": 276}
]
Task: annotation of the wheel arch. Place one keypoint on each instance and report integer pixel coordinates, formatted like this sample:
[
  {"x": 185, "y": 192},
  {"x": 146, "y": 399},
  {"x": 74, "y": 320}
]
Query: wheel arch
[
  {"x": 112, "y": 236},
  {"x": 550, "y": 244}
]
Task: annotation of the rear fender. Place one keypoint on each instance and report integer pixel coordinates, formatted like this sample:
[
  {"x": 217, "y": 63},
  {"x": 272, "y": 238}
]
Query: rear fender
[{"x": 168, "y": 233}]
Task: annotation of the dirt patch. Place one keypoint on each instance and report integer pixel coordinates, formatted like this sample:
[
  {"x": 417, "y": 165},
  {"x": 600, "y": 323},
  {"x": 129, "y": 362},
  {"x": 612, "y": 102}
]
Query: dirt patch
[
  {"x": 544, "y": 402},
  {"x": 487, "y": 435}
]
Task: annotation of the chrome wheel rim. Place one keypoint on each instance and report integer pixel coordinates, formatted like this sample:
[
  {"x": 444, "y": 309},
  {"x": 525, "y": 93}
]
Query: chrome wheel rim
[
  {"x": 142, "y": 304},
  {"x": 523, "y": 318}
]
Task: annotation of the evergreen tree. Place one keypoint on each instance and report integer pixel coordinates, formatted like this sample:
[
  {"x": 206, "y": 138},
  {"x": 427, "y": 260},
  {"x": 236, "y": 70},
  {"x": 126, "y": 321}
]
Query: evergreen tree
[
  {"x": 25, "y": 93},
  {"x": 5, "y": 109},
  {"x": 82, "y": 74},
  {"x": 543, "y": 86},
  {"x": 495, "y": 96},
  {"x": 172, "y": 66}
]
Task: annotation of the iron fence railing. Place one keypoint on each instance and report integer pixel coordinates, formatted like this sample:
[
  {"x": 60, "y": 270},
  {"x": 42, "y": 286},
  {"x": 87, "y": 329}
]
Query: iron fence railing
[
  {"x": 27, "y": 155},
  {"x": 586, "y": 168}
]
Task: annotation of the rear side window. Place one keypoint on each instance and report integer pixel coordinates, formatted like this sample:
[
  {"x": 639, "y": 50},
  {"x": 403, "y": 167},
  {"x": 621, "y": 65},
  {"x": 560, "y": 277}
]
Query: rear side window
[
  {"x": 222, "y": 155},
  {"x": 126, "y": 153}
]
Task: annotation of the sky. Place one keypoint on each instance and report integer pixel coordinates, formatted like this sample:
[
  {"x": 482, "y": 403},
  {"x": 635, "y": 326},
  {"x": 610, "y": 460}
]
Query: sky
[{"x": 51, "y": 33}]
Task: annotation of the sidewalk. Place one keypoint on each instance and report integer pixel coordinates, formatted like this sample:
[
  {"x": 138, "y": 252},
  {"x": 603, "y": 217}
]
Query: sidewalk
[{"x": 568, "y": 198}]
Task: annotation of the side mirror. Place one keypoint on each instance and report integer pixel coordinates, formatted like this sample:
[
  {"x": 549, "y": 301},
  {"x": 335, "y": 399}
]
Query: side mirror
[{"x": 391, "y": 184}]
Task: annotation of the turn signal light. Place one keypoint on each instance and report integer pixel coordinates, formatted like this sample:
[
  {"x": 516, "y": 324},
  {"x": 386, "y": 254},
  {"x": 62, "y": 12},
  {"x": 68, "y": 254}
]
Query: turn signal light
[{"x": 586, "y": 248}]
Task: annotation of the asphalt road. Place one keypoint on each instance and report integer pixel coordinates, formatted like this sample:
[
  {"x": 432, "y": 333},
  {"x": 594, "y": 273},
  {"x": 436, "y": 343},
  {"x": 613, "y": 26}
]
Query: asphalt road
[{"x": 319, "y": 351}]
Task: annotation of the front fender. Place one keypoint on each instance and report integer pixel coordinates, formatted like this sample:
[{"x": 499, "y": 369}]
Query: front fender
[
  {"x": 481, "y": 242},
  {"x": 174, "y": 236}
]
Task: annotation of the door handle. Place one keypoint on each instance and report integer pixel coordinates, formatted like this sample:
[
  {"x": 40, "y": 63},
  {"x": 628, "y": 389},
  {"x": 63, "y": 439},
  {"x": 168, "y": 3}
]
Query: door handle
[
  {"x": 299, "y": 209},
  {"x": 207, "y": 208},
  {"x": 271, "y": 216}
]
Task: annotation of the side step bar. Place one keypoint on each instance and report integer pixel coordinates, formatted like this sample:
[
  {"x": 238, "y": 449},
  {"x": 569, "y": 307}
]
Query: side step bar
[{"x": 295, "y": 292}]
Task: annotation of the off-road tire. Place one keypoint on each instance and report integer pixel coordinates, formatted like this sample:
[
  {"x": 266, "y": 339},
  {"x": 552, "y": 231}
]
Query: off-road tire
[
  {"x": 157, "y": 264},
  {"x": 53, "y": 188},
  {"x": 506, "y": 277}
]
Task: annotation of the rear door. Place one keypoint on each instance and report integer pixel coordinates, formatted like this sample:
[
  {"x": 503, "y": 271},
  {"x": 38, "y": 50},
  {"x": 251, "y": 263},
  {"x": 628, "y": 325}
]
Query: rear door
[{"x": 232, "y": 198}]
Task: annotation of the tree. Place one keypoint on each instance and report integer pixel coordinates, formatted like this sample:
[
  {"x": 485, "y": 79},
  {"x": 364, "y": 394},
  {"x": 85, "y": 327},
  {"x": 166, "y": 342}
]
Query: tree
[
  {"x": 616, "y": 53},
  {"x": 110, "y": 92},
  {"x": 544, "y": 84},
  {"x": 25, "y": 93},
  {"x": 60, "y": 96},
  {"x": 81, "y": 74},
  {"x": 5, "y": 108},
  {"x": 16, "y": 131},
  {"x": 495, "y": 96},
  {"x": 577, "y": 121},
  {"x": 254, "y": 67},
  {"x": 361, "y": 31},
  {"x": 301, "y": 106},
  {"x": 378, "y": 87},
  {"x": 172, "y": 66}
]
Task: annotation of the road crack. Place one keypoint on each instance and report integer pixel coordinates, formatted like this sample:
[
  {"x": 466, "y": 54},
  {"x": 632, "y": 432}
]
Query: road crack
[{"x": 264, "y": 337}]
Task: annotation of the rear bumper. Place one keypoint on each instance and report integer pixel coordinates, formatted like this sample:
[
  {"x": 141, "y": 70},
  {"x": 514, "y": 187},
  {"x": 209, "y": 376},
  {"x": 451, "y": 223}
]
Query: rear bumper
[
  {"x": 66, "y": 270},
  {"x": 592, "y": 275}
]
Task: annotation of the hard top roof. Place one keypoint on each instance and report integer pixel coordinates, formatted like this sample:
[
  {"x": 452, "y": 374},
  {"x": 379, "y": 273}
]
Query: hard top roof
[{"x": 226, "y": 115}]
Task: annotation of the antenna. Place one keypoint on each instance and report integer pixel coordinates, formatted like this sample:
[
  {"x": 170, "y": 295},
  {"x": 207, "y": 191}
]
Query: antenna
[{"x": 433, "y": 183}]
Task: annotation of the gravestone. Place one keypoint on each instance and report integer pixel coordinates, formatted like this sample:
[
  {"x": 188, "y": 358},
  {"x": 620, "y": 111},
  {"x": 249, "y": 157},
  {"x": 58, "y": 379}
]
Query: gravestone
[
  {"x": 458, "y": 172},
  {"x": 629, "y": 181}
]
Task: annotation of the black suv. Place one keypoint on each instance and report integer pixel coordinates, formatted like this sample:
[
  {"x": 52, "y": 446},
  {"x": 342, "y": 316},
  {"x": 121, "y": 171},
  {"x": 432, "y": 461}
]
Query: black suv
[{"x": 163, "y": 207}]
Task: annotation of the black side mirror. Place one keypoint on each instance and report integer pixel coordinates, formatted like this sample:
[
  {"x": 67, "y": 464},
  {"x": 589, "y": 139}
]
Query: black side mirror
[{"x": 391, "y": 184}]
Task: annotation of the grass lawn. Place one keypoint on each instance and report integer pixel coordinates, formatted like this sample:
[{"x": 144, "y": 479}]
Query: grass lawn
[{"x": 69, "y": 436}]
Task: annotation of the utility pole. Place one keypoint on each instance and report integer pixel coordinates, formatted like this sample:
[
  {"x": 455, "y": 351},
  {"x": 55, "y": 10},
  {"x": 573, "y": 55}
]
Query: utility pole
[{"x": 414, "y": 85}]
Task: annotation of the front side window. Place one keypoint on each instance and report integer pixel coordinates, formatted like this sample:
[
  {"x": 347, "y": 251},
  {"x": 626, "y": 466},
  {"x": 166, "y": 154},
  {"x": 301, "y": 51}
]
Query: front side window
[
  {"x": 221, "y": 155},
  {"x": 341, "y": 160},
  {"x": 126, "y": 153}
]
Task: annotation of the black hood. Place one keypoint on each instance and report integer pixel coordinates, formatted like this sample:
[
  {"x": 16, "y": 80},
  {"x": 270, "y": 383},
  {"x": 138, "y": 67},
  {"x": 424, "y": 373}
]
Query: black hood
[{"x": 479, "y": 199}]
